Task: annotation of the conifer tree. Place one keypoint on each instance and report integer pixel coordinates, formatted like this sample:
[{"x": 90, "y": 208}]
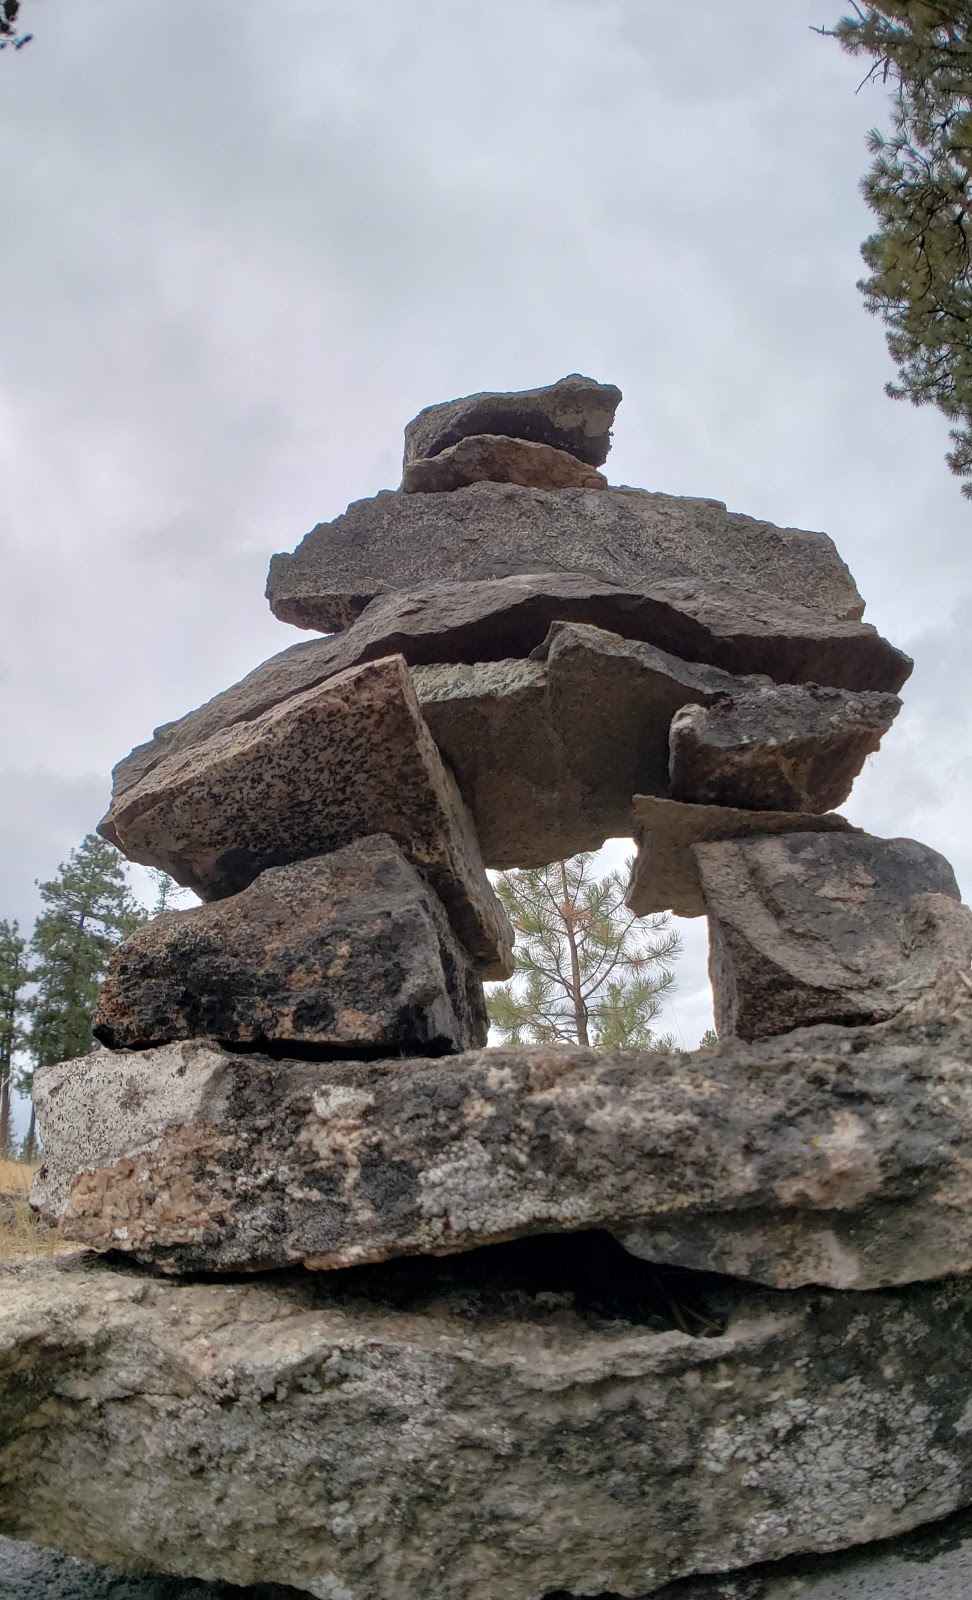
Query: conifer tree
[
  {"x": 13, "y": 977},
  {"x": 920, "y": 188},
  {"x": 588, "y": 971},
  {"x": 88, "y": 910}
]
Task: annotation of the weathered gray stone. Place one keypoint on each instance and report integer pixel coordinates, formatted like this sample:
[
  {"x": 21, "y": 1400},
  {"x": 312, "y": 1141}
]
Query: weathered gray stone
[
  {"x": 813, "y": 927},
  {"x": 452, "y": 1434},
  {"x": 347, "y": 950},
  {"x": 575, "y": 414},
  {"x": 830, "y": 1155},
  {"x": 498, "y": 530},
  {"x": 779, "y": 747},
  {"x": 490, "y": 458},
  {"x": 548, "y": 752},
  {"x": 665, "y": 875},
  {"x": 713, "y": 623},
  {"x": 932, "y": 1563},
  {"x": 348, "y": 758}
]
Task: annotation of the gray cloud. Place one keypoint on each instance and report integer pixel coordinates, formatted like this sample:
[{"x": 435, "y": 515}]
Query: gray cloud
[{"x": 238, "y": 257}]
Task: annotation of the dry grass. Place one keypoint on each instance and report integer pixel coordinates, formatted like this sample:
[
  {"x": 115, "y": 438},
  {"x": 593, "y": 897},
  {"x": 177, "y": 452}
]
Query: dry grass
[{"x": 22, "y": 1234}]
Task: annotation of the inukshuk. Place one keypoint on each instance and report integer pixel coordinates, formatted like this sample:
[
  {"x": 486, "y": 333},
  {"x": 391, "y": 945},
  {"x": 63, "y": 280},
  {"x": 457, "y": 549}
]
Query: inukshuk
[{"x": 576, "y": 1323}]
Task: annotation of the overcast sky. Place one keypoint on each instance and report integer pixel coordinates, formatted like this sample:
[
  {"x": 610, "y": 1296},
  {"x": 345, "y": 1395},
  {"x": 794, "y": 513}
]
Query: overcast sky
[{"x": 239, "y": 255}]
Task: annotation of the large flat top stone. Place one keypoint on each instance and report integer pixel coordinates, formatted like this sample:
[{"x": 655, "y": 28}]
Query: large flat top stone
[
  {"x": 575, "y": 414},
  {"x": 708, "y": 622},
  {"x": 831, "y": 1155},
  {"x": 497, "y": 530},
  {"x": 498, "y": 1431},
  {"x": 335, "y": 763},
  {"x": 665, "y": 874}
]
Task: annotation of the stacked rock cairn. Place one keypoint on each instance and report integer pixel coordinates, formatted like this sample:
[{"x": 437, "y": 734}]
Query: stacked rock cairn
[{"x": 375, "y": 1310}]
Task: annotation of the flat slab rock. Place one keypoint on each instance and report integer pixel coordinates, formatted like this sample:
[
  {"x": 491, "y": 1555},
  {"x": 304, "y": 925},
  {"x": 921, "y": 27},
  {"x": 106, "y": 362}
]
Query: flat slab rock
[
  {"x": 467, "y": 1437},
  {"x": 830, "y": 1155},
  {"x": 665, "y": 875},
  {"x": 712, "y": 623},
  {"x": 350, "y": 950},
  {"x": 497, "y": 530},
  {"x": 490, "y": 458},
  {"x": 797, "y": 747},
  {"x": 349, "y": 758},
  {"x": 932, "y": 1563},
  {"x": 575, "y": 414},
  {"x": 815, "y": 927}
]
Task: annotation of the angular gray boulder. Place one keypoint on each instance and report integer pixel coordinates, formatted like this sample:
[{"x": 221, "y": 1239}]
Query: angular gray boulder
[
  {"x": 710, "y": 623},
  {"x": 665, "y": 874},
  {"x": 807, "y": 928},
  {"x": 575, "y": 414},
  {"x": 489, "y": 458},
  {"x": 465, "y": 1435},
  {"x": 348, "y": 758},
  {"x": 499, "y": 530},
  {"x": 778, "y": 747},
  {"x": 350, "y": 950},
  {"x": 549, "y": 752},
  {"x": 831, "y": 1155}
]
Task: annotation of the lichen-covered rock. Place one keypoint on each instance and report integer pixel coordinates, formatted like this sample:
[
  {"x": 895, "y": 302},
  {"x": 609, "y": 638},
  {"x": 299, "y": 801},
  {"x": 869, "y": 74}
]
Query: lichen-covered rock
[
  {"x": 813, "y": 927},
  {"x": 499, "y": 619},
  {"x": 665, "y": 875},
  {"x": 350, "y": 950},
  {"x": 444, "y": 1431},
  {"x": 349, "y": 758},
  {"x": 575, "y": 414},
  {"x": 490, "y": 458},
  {"x": 779, "y": 747},
  {"x": 831, "y": 1155},
  {"x": 499, "y": 530}
]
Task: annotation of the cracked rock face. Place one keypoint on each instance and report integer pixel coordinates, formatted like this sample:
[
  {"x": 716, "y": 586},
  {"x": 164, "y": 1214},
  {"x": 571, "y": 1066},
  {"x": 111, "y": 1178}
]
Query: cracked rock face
[
  {"x": 499, "y": 530},
  {"x": 665, "y": 875},
  {"x": 348, "y": 950},
  {"x": 575, "y": 414},
  {"x": 782, "y": 747},
  {"x": 489, "y": 458},
  {"x": 807, "y": 928},
  {"x": 549, "y": 752},
  {"x": 434, "y": 1433},
  {"x": 830, "y": 1155},
  {"x": 349, "y": 758},
  {"x": 711, "y": 623}
]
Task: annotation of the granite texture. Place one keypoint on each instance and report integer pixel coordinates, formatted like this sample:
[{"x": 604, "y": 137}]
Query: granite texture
[
  {"x": 346, "y": 951},
  {"x": 498, "y": 530},
  {"x": 665, "y": 874},
  {"x": 831, "y": 1155},
  {"x": 575, "y": 414},
  {"x": 816, "y": 927},
  {"x": 335, "y": 763},
  {"x": 455, "y": 1431},
  {"x": 712, "y": 623},
  {"x": 779, "y": 747}
]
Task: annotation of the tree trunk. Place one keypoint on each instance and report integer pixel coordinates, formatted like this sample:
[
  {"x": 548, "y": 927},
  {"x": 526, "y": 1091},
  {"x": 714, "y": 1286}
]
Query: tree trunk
[
  {"x": 30, "y": 1143},
  {"x": 580, "y": 1010},
  {"x": 5, "y": 1117}
]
